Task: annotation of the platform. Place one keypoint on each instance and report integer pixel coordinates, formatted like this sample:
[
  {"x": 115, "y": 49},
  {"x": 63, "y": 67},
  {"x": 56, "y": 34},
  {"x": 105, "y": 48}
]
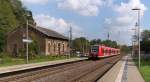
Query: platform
[
  {"x": 36, "y": 65},
  {"x": 123, "y": 71}
]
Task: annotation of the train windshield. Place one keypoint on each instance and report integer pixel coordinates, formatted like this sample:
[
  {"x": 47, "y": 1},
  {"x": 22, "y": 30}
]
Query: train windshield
[{"x": 94, "y": 49}]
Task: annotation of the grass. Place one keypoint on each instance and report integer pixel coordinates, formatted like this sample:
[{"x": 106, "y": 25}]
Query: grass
[
  {"x": 144, "y": 69},
  {"x": 7, "y": 60},
  {"x": 46, "y": 58}
]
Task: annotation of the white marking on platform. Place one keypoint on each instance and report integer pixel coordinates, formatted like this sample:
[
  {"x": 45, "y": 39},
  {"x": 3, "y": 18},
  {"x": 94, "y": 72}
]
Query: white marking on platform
[{"x": 119, "y": 77}]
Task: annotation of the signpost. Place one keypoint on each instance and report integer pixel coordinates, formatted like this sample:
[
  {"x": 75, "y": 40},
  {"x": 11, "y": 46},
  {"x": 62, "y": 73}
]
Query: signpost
[{"x": 27, "y": 41}]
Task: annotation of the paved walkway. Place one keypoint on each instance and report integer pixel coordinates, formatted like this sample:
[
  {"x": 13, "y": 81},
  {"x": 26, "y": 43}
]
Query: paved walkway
[
  {"x": 35, "y": 65},
  {"x": 124, "y": 71},
  {"x": 133, "y": 73}
]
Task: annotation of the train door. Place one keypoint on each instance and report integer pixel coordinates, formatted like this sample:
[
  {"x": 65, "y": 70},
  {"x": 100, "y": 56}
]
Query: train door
[
  {"x": 100, "y": 51},
  {"x": 106, "y": 51},
  {"x": 94, "y": 51},
  {"x": 103, "y": 51}
]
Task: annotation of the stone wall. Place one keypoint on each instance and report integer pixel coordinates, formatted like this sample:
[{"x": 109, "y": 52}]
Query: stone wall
[
  {"x": 47, "y": 45},
  {"x": 56, "y": 47},
  {"x": 15, "y": 40}
]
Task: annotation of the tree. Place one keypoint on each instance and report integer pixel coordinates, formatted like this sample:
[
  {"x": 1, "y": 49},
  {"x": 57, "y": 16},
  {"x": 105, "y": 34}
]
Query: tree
[
  {"x": 110, "y": 43},
  {"x": 12, "y": 15},
  {"x": 95, "y": 42},
  {"x": 8, "y": 21},
  {"x": 145, "y": 41},
  {"x": 145, "y": 35},
  {"x": 81, "y": 44},
  {"x": 125, "y": 49},
  {"x": 33, "y": 48}
]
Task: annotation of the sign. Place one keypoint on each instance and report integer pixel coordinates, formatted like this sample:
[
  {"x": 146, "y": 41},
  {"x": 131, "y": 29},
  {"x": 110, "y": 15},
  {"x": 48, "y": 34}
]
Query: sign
[{"x": 27, "y": 40}]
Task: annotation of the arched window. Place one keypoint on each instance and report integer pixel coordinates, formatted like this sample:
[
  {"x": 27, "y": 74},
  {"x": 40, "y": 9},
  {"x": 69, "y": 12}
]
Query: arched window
[
  {"x": 54, "y": 47},
  {"x": 63, "y": 48},
  {"x": 59, "y": 47},
  {"x": 49, "y": 47}
]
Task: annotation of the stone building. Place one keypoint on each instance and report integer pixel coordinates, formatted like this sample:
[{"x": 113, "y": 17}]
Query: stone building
[{"x": 49, "y": 42}]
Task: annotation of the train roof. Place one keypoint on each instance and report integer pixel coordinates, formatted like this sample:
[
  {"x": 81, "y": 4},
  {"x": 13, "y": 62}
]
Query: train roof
[{"x": 110, "y": 48}]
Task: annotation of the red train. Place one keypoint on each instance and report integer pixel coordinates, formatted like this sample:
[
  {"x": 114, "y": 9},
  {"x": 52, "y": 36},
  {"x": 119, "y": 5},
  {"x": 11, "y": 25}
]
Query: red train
[{"x": 98, "y": 51}]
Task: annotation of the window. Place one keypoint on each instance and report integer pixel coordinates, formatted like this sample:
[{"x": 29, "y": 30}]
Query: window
[
  {"x": 110, "y": 51},
  {"x": 49, "y": 47},
  {"x": 59, "y": 48},
  {"x": 103, "y": 50},
  {"x": 63, "y": 48},
  {"x": 54, "y": 47},
  {"x": 94, "y": 48}
]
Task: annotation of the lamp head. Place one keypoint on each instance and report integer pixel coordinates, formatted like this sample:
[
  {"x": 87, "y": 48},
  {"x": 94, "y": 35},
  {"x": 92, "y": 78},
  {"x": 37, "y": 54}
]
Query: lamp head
[{"x": 136, "y": 9}]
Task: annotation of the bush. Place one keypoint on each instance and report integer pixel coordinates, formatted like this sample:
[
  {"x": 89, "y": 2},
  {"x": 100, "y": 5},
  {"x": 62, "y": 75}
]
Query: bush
[{"x": 33, "y": 49}]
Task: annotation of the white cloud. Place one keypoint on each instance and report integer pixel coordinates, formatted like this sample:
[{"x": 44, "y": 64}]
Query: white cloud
[
  {"x": 107, "y": 21},
  {"x": 125, "y": 8},
  {"x": 35, "y": 1},
  {"x": 82, "y": 7},
  {"x": 59, "y": 25},
  {"x": 124, "y": 21}
]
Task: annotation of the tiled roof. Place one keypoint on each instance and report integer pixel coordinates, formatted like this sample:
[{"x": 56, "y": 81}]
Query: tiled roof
[{"x": 50, "y": 33}]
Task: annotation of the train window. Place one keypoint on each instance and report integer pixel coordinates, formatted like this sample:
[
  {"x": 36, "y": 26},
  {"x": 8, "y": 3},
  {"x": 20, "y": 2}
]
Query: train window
[
  {"x": 103, "y": 50},
  {"x": 94, "y": 49},
  {"x": 109, "y": 51}
]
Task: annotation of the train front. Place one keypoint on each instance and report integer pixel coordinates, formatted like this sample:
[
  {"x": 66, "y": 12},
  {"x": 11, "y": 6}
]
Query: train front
[{"x": 94, "y": 52}]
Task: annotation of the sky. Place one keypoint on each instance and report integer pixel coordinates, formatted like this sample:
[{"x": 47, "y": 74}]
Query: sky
[{"x": 91, "y": 18}]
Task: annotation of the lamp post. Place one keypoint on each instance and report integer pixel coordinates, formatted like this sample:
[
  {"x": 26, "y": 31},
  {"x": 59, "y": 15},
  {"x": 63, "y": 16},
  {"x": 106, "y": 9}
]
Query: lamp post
[
  {"x": 27, "y": 58},
  {"x": 70, "y": 41},
  {"x": 27, "y": 38},
  {"x": 138, "y": 24},
  {"x": 135, "y": 38}
]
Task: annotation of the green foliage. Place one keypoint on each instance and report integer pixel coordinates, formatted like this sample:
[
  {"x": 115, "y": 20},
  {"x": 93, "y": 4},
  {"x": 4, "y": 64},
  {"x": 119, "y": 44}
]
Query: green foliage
[
  {"x": 125, "y": 49},
  {"x": 2, "y": 41},
  {"x": 42, "y": 58},
  {"x": 12, "y": 15},
  {"x": 144, "y": 69},
  {"x": 104, "y": 42},
  {"x": 18, "y": 11},
  {"x": 95, "y": 42},
  {"x": 145, "y": 35},
  {"x": 81, "y": 44},
  {"x": 7, "y": 17},
  {"x": 145, "y": 42},
  {"x": 34, "y": 48},
  {"x": 145, "y": 46},
  {"x": 8, "y": 21},
  {"x": 110, "y": 43},
  {"x": 7, "y": 60}
]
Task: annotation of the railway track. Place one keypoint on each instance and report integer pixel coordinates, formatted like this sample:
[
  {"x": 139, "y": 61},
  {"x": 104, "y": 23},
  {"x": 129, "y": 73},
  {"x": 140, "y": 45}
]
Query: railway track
[{"x": 83, "y": 71}]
